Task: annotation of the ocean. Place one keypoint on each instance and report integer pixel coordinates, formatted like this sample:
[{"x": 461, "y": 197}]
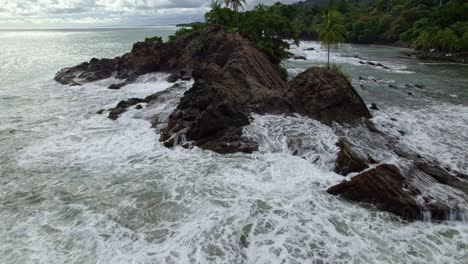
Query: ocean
[{"x": 77, "y": 187}]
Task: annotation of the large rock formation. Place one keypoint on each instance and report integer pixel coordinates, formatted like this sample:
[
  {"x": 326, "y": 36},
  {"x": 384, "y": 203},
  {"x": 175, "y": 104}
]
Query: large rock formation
[{"x": 232, "y": 80}]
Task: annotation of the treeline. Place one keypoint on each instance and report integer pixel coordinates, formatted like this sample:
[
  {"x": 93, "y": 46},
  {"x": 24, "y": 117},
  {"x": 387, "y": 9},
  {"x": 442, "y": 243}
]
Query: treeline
[
  {"x": 441, "y": 25},
  {"x": 425, "y": 24}
]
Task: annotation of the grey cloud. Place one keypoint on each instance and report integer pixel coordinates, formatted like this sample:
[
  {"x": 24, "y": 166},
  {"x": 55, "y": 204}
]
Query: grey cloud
[{"x": 130, "y": 12}]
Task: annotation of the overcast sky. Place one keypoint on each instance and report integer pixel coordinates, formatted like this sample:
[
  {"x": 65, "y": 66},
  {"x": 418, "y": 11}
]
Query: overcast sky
[{"x": 99, "y": 13}]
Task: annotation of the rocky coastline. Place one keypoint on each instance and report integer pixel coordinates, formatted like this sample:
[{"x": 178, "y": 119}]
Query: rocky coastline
[{"x": 233, "y": 79}]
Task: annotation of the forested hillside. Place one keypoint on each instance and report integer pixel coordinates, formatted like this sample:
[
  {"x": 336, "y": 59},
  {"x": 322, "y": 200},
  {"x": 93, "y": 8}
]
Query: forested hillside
[
  {"x": 427, "y": 25},
  {"x": 424, "y": 24}
]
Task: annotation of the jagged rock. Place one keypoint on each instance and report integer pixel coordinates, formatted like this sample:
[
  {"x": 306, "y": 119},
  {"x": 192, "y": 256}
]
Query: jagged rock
[
  {"x": 173, "y": 77},
  {"x": 143, "y": 58},
  {"x": 310, "y": 49},
  {"x": 384, "y": 187},
  {"x": 348, "y": 160},
  {"x": 122, "y": 106},
  {"x": 374, "y": 106},
  {"x": 117, "y": 86},
  {"x": 299, "y": 57},
  {"x": 393, "y": 190},
  {"x": 442, "y": 176},
  {"x": 326, "y": 96},
  {"x": 419, "y": 86}
]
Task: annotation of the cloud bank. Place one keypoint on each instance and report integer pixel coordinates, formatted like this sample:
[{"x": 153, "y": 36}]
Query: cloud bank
[{"x": 101, "y": 13}]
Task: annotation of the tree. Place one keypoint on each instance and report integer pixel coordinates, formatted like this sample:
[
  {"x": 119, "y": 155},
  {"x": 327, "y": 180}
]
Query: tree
[
  {"x": 268, "y": 32},
  {"x": 331, "y": 33},
  {"x": 213, "y": 16},
  {"x": 235, "y": 4},
  {"x": 446, "y": 40},
  {"x": 219, "y": 15}
]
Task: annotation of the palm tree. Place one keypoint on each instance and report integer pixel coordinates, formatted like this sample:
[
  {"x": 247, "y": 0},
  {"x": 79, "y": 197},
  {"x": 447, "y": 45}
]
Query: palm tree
[
  {"x": 235, "y": 4},
  {"x": 213, "y": 15},
  {"x": 331, "y": 33}
]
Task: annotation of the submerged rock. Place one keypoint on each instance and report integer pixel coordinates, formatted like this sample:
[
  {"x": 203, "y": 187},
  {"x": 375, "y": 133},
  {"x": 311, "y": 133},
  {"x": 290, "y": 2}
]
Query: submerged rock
[
  {"x": 442, "y": 176},
  {"x": 299, "y": 57}
]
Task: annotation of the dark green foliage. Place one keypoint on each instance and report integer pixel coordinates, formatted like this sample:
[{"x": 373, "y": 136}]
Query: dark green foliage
[
  {"x": 155, "y": 39},
  {"x": 268, "y": 31},
  {"x": 185, "y": 31},
  {"x": 426, "y": 24},
  {"x": 338, "y": 70}
]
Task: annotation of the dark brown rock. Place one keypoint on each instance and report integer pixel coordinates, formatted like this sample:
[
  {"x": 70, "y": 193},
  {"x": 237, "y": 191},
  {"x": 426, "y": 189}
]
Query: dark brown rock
[
  {"x": 393, "y": 190},
  {"x": 299, "y": 57},
  {"x": 122, "y": 106},
  {"x": 327, "y": 96},
  {"x": 384, "y": 187},
  {"x": 348, "y": 160},
  {"x": 143, "y": 58},
  {"x": 442, "y": 176}
]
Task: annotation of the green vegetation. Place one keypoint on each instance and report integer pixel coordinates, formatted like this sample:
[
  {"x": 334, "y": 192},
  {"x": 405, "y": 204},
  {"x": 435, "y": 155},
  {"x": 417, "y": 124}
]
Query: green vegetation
[
  {"x": 423, "y": 24},
  {"x": 331, "y": 33},
  {"x": 155, "y": 39},
  {"x": 235, "y": 5},
  {"x": 338, "y": 70}
]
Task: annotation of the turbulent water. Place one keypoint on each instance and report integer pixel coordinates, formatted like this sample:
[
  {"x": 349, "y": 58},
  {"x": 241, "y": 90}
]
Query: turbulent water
[{"x": 77, "y": 187}]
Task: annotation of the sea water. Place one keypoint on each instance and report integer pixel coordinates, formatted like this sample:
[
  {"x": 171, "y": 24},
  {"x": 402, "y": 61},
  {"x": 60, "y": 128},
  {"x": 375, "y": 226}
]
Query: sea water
[{"x": 77, "y": 187}]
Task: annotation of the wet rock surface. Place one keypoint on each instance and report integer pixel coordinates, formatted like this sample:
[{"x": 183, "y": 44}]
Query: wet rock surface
[
  {"x": 349, "y": 160},
  {"x": 383, "y": 186},
  {"x": 401, "y": 191}
]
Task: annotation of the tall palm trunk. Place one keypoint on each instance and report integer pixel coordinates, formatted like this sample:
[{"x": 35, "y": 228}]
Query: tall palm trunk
[
  {"x": 237, "y": 19},
  {"x": 328, "y": 57}
]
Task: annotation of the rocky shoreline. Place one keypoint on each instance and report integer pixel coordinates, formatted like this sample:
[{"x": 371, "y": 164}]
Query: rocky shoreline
[{"x": 233, "y": 79}]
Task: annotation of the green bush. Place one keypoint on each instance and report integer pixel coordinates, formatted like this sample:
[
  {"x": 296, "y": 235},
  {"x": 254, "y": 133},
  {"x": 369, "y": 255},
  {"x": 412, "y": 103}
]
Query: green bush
[
  {"x": 338, "y": 70},
  {"x": 155, "y": 39}
]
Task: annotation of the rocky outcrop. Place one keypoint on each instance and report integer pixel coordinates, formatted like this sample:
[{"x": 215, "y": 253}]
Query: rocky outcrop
[
  {"x": 397, "y": 191},
  {"x": 437, "y": 56},
  {"x": 232, "y": 80},
  {"x": 384, "y": 187},
  {"x": 143, "y": 58},
  {"x": 325, "y": 95},
  {"x": 212, "y": 113}
]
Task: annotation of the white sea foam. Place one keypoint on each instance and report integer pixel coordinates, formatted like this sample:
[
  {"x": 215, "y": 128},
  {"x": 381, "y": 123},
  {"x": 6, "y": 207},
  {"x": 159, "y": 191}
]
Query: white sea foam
[{"x": 439, "y": 131}]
